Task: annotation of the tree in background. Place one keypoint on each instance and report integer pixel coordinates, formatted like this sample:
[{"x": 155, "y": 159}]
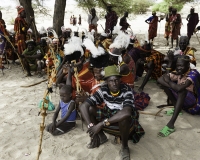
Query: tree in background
[
  {"x": 163, "y": 6},
  {"x": 131, "y": 6},
  {"x": 59, "y": 15}
]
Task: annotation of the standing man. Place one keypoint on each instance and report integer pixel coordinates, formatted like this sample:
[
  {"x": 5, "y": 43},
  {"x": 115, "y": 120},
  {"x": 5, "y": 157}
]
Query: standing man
[
  {"x": 123, "y": 22},
  {"x": 92, "y": 20},
  {"x": 79, "y": 20},
  {"x": 193, "y": 20},
  {"x": 3, "y": 32},
  {"x": 175, "y": 26},
  {"x": 167, "y": 24},
  {"x": 20, "y": 28},
  {"x": 153, "y": 25},
  {"x": 111, "y": 19}
]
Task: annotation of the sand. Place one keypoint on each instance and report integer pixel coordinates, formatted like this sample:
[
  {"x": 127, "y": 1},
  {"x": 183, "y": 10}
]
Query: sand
[{"x": 19, "y": 122}]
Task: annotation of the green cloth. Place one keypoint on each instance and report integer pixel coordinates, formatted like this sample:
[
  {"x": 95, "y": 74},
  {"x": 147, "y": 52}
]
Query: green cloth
[{"x": 37, "y": 50}]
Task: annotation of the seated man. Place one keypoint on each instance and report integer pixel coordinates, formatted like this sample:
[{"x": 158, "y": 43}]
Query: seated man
[
  {"x": 119, "y": 109},
  {"x": 151, "y": 61},
  {"x": 32, "y": 58},
  {"x": 183, "y": 90}
]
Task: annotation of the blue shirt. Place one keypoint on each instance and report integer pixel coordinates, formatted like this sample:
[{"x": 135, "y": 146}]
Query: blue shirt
[{"x": 64, "y": 109}]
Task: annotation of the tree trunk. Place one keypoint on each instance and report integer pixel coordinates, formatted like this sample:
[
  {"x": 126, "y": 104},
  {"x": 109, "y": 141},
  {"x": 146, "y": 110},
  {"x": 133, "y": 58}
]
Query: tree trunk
[
  {"x": 27, "y": 4},
  {"x": 59, "y": 14}
]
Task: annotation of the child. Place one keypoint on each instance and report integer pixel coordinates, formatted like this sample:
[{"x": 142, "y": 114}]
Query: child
[{"x": 68, "y": 113}]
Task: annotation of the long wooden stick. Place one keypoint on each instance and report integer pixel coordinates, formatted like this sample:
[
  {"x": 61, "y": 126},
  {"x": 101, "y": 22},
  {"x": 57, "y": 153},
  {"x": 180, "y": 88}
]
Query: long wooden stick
[
  {"x": 149, "y": 113},
  {"x": 14, "y": 50},
  {"x": 35, "y": 83},
  {"x": 162, "y": 109}
]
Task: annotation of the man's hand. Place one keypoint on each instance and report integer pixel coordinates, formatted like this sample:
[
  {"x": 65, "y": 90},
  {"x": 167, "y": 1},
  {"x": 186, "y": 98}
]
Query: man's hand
[
  {"x": 166, "y": 78},
  {"x": 21, "y": 56},
  {"x": 95, "y": 129},
  {"x": 80, "y": 98},
  {"x": 52, "y": 128}
]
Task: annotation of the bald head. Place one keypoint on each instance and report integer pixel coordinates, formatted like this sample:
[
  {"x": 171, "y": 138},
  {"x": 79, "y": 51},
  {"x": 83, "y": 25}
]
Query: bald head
[{"x": 183, "y": 43}]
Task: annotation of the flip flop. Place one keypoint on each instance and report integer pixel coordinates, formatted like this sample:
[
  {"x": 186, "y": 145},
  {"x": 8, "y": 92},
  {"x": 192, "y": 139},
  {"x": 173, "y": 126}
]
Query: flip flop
[
  {"x": 171, "y": 112},
  {"x": 125, "y": 154},
  {"x": 166, "y": 131}
]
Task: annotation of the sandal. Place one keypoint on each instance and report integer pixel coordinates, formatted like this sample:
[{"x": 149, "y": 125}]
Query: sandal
[
  {"x": 171, "y": 112},
  {"x": 125, "y": 154},
  {"x": 166, "y": 131}
]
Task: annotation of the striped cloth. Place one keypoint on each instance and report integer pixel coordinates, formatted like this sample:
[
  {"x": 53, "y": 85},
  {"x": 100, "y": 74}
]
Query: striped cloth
[{"x": 115, "y": 104}]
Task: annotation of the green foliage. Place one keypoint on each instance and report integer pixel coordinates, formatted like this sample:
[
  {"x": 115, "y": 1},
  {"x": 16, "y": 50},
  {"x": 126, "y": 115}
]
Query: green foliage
[
  {"x": 131, "y": 6},
  {"x": 163, "y": 6}
]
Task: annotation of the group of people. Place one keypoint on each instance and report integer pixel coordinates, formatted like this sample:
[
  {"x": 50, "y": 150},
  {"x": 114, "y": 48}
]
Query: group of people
[
  {"x": 73, "y": 20},
  {"x": 173, "y": 25},
  {"x": 95, "y": 74}
]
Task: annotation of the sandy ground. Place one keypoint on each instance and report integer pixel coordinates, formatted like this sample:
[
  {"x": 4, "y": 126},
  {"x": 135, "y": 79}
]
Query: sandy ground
[{"x": 19, "y": 124}]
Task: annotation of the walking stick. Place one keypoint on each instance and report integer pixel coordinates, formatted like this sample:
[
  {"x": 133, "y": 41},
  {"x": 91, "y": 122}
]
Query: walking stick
[
  {"x": 14, "y": 50},
  {"x": 46, "y": 101},
  {"x": 78, "y": 87},
  {"x": 197, "y": 37}
]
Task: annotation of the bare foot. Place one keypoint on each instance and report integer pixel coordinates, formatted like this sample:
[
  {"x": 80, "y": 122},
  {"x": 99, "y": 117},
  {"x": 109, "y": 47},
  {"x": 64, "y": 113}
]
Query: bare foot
[{"x": 140, "y": 89}]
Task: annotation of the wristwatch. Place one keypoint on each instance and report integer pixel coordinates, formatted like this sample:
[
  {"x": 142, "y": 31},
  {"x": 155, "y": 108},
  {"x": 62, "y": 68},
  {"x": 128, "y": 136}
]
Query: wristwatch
[
  {"x": 90, "y": 125},
  {"x": 105, "y": 122}
]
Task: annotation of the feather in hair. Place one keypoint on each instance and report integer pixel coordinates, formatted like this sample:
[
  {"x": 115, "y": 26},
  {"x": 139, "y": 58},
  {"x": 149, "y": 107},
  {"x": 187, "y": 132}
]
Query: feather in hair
[
  {"x": 91, "y": 47},
  {"x": 121, "y": 41}
]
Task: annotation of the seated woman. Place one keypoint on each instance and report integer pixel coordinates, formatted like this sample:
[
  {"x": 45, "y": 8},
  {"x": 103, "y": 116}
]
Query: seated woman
[{"x": 183, "y": 89}]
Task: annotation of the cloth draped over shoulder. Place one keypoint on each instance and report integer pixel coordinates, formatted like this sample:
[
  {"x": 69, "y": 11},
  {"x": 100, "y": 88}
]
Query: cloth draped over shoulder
[
  {"x": 157, "y": 59},
  {"x": 153, "y": 25},
  {"x": 111, "y": 21},
  {"x": 175, "y": 26},
  {"x": 123, "y": 23},
  {"x": 195, "y": 77},
  {"x": 167, "y": 26},
  {"x": 20, "y": 28},
  {"x": 85, "y": 79},
  {"x": 192, "y": 22}
]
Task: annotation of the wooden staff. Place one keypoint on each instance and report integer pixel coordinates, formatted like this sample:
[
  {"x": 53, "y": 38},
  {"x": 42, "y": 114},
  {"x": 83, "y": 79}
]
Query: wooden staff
[
  {"x": 78, "y": 86},
  {"x": 14, "y": 51},
  {"x": 46, "y": 101},
  {"x": 44, "y": 114},
  {"x": 148, "y": 113}
]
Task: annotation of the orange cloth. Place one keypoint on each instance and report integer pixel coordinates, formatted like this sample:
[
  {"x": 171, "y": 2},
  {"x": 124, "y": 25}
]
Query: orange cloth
[
  {"x": 20, "y": 28},
  {"x": 85, "y": 79}
]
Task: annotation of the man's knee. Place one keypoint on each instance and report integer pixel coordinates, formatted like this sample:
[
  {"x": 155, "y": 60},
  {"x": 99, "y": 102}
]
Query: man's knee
[
  {"x": 182, "y": 93},
  {"x": 92, "y": 110},
  {"x": 126, "y": 122}
]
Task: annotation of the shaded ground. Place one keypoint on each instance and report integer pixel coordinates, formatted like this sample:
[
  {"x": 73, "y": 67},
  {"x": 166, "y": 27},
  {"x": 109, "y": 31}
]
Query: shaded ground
[{"x": 19, "y": 125}]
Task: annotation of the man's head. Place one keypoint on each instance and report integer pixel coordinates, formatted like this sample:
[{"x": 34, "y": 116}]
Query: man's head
[
  {"x": 183, "y": 43},
  {"x": 23, "y": 14},
  {"x": 65, "y": 93},
  {"x": 192, "y": 10},
  {"x": 182, "y": 64},
  {"x": 112, "y": 78},
  {"x": 174, "y": 11},
  {"x": 170, "y": 9},
  {"x": 126, "y": 14},
  {"x": 109, "y": 8},
  {"x": 154, "y": 13},
  {"x": 93, "y": 11},
  {"x": 30, "y": 45}
]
